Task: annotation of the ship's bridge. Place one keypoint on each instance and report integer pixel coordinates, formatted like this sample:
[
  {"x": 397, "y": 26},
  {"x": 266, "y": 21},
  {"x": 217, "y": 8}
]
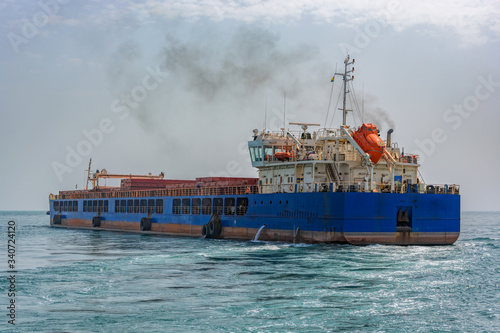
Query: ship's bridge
[{"x": 328, "y": 160}]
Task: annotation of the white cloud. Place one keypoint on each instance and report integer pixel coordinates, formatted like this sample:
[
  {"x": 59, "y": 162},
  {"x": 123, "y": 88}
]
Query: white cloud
[{"x": 473, "y": 21}]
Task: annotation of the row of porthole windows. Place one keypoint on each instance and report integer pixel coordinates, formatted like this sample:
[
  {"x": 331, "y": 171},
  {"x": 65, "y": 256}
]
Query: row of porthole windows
[
  {"x": 65, "y": 206},
  {"x": 207, "y": 206},
  {"x": 139, "y": 205}
]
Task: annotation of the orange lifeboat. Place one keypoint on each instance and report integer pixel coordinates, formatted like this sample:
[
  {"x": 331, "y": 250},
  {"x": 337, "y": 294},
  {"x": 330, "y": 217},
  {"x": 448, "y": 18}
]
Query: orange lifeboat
[
  {"x": 367, "y": 138},
  {"x": 282, "y": 155}
]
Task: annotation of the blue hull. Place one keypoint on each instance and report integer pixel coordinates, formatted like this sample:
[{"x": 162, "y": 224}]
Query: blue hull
[{"x": 325, "y": 217}]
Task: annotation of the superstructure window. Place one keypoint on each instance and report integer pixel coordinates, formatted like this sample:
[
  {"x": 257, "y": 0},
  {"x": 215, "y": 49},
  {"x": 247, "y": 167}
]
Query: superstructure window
[
  {"x": 130, "y": 206},
  {"x": 176, "y": 206},
  {"x": 75, "y": 206},
  {"x": 65, "y": 206},
  {"x": 94, "y": 206},
  {"x": 100, "y": 205},
  {"x": 136, "y": 205},
  {"x": 123, "y": 206},
  {"x": 256, "y": 154},
  {"x": 206, "y": 207},
  {"x": 241, "y": 206},
  {"x": 252, "y": 153},
  {"x": 186, "y": 206},
  {"x": 117, "y": 206},
  {"x": 218, "y": 206},
  {"x": 268, "y": 153},
  {"x": 196, "y": 206},
  {"x": 159, "y": 206},
  {"x": 144, "y": 205},
  {"x": 55, "y": 204},
  {"x": 105, "y": 206},
  {"x": 84, "y": 205},
  {"x": 229, "y": 206}
]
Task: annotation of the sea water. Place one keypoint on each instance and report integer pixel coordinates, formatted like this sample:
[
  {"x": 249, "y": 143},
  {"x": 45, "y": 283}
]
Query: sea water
[{"x": 100, "y": 281}]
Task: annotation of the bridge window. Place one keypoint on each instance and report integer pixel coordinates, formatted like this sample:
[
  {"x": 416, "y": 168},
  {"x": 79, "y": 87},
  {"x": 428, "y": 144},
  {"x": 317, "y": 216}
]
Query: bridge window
[
  {"x": 206, "y": 207},
  {"x": 268, "y": 153},
  {"x": 176, "y": 206},
  {"x": 229, "y": 206},
  {"x": 186, "y": 206},
  {"x": 196, "y": 206},
  {"x": 241, "y": 206},
  {"x": 256, "y": 154},
  {"x": 159, "y": 206}
]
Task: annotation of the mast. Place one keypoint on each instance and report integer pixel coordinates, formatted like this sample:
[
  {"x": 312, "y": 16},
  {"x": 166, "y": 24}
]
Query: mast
[
  {"x": 88, "y": 174},
  {"x": 346, "y": 76}
]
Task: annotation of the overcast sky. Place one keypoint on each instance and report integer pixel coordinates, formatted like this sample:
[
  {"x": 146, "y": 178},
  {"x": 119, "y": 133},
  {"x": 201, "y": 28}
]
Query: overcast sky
[{"x": 178, "y": 86}]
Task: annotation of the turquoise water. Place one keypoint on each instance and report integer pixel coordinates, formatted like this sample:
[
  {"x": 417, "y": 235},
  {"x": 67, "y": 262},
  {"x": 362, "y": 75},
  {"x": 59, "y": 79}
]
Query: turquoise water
[{"x": 94, "y": 281}]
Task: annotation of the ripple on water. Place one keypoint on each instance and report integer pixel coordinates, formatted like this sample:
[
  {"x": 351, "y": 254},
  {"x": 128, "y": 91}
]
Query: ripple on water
[{"x": 73, "y": 280}]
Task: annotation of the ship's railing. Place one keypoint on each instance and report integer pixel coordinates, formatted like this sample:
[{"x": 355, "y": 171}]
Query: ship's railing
[
  {"x": 329, "y": 132},
  {"x": 171, "y": 192},
  {"x": 272, "y": 188},
  {"x": 360, "y": 187},
  {"x": 408, "y": 158}
]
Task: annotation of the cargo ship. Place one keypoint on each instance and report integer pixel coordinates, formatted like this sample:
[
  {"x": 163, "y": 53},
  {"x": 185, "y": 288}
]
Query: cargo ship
[{"x": 331, "y": 185}]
